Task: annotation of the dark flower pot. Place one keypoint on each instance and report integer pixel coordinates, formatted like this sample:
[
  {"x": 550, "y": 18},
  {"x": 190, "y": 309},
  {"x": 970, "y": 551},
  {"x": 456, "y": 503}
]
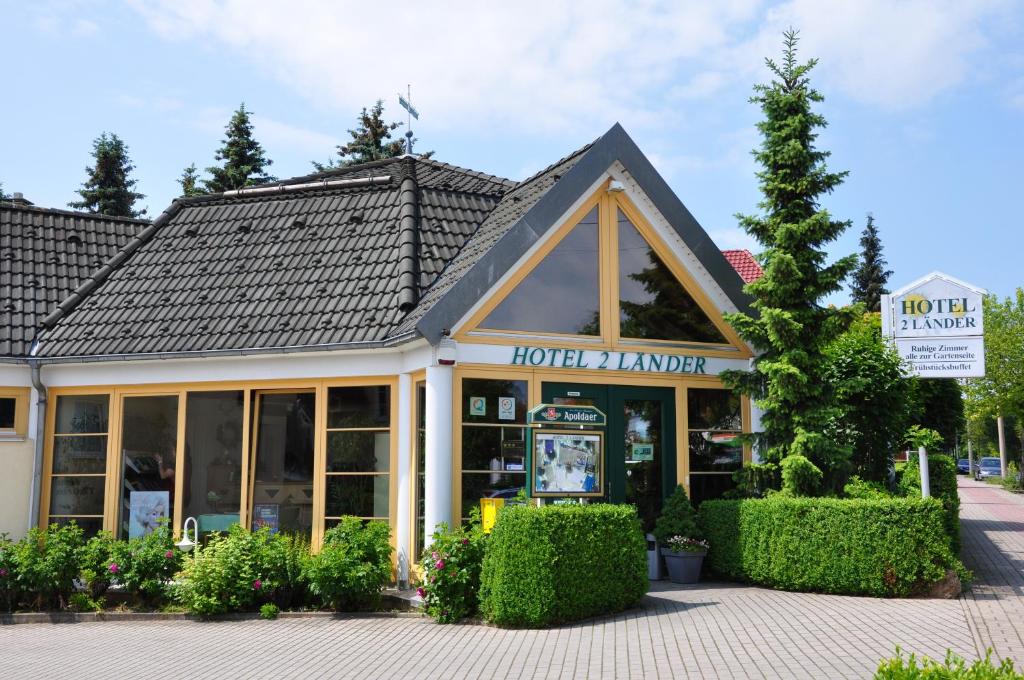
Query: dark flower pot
[{"x": 683, "y": 567}]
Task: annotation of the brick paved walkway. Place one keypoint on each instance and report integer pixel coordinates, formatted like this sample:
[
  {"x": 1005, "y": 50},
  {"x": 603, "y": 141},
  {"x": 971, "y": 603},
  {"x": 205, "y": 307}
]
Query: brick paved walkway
[
  {"x": 705, "y": 631},
  {"x": 992, "y": 525}
]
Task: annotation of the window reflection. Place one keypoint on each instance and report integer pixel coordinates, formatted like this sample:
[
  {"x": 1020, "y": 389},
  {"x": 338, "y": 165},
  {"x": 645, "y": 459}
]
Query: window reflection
[
  {"x": 213, "y": 459},
  {"x": 562, "y": 293},
  {"x": 283, "y": 487},
  {"x": 493, "y": 440},
  {"x": 652, "y": 303},
  {"x": 149, "y": 445}
]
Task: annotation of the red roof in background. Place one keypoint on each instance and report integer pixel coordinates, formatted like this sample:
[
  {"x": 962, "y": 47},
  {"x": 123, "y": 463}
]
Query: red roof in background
[{"x": 744, "y": 264}]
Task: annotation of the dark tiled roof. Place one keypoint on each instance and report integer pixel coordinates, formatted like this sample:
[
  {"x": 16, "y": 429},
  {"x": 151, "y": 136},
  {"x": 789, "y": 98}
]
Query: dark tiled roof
[
  {"x": 744, "y": 264},
  {"x": 317, "y": 266},
  {"x": 45, "y": 254}
]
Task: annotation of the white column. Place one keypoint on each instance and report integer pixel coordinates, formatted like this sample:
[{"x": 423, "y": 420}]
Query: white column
[
  {"x": 437, "y": 479},
  {"x": 403, "y": 500}
]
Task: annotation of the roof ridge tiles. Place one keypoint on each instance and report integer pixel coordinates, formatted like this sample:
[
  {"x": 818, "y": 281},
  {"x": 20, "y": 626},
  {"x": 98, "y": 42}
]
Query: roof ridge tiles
[{"x": 9, "y": 205}]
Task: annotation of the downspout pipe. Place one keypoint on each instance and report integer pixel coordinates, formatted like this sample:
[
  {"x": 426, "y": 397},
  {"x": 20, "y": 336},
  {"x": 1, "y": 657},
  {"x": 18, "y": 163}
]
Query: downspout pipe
[{"x": 36, "y": 488}]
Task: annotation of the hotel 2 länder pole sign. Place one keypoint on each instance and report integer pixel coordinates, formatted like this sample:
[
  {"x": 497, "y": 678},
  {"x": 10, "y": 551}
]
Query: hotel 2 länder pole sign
[{"x": 937, "y": 325}]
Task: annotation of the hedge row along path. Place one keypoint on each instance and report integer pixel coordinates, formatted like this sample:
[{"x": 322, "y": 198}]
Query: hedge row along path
[
  {"x": 992, "y": 528},
  {"x": 709, "y": 630}
]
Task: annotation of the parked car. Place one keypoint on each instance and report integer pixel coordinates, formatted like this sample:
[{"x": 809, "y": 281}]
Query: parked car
[
  {"x": 963, "y": 466},
  {"x": 988, "y": 467}
]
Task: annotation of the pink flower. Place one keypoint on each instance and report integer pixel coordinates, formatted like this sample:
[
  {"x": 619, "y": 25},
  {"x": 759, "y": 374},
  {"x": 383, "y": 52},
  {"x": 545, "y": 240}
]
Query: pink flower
[
  {"x": 419, "y": 591},
  {"x": 439, "y": 564},
  {"x": 433, "y": 579},
  {"x": 465, "y": 541},
  {"x": 434, "y": 554},
  {"x": 169, "y": 554},
  {"x": 114, "y": 568},
  {"x": 257, "y": 584},
  {"x": 3, "y": 572}
]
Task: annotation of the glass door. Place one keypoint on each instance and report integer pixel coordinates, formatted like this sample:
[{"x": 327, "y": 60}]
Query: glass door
[{"x": 281, "y": 486}]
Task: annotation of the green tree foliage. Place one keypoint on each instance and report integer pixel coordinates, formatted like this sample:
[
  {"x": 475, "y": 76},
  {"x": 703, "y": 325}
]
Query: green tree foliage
[
  {"x": 678, "y": 518},
  {"x": 1001, "y": 391},
  {"x": 371, "y": 141},
  {"x": 189, "y": 182},
  {"x": 939, "y": 405},
  {"x": 245, "y": 161},
  {"x": 874, "y": 394},
  {"x": 800, "y": 477},
  {"x": 3, "y": 196},
  {"x": 107, "y": 190},
  {"x": 793, "y": 328},
  {"x": 871, "y": 275}
]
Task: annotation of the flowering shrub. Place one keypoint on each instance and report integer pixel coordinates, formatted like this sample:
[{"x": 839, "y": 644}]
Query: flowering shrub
[
  {"x": 354, "y": 565},
  {"x": 9, "y": 589},
  {"x": 451, "y": 572},
  {"x": 145, "y": 565},
  {"x": 45, "y": 565},
  {"x": 94, "y": 565},
  {"x": 684, "y": 544}
]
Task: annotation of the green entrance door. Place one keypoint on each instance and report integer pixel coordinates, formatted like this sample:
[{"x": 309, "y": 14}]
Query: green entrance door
[{"x": 640, "y": 461}]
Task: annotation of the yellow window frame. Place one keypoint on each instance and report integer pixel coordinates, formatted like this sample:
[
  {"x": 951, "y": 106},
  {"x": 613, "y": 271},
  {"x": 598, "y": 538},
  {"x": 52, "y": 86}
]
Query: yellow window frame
[{"x": 20, "y": 395}]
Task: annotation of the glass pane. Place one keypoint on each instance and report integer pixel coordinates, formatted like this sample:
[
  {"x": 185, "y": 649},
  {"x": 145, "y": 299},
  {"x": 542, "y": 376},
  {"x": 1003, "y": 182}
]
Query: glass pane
[
  {"x": 359, "y": 495},
  {"x": 713, "y": 410},
  {"x": 715, "y": 451},
  {"x": 149, "y": 437},
  {"x": 358, "y": 451},
  {"x": 643, "y": 449},
  {"x": 652, "y": 302},
  {"x": 77, "y": 495},
  {"x": 477, "y": 485},
  {"x": 707, "y": 487},
  {"x": 80, "y": 455},
  {"x": 493, "y": 448},
  {"x": 82, "y": 414},
  {"x": 493, "y": 401},
  {"x": 562, "y": 293},
  {"x": 421, "y": 466},
  {"x": 90, "y": 525},
  {"x": 358, "y": 407},
  {"x": 283, "y": 486},
  {"x": 213, "y": 459},
  {"x": 7, "y": 408}
]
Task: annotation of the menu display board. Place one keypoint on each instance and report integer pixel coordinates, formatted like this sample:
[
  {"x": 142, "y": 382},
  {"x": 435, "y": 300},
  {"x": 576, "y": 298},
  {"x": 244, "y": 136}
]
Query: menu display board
[{"x": 567, "y": 463}]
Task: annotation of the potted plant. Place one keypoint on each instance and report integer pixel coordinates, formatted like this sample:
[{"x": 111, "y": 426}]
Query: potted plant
[{"x": 681, "y": 542}]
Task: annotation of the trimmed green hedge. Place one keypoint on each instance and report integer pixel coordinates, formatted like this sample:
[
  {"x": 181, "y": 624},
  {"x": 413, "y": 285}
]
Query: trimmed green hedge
[
  {"x": 881, "y": 547},
  {"x": 942, "y": 484},
  {"x": 562, "y": 563}
]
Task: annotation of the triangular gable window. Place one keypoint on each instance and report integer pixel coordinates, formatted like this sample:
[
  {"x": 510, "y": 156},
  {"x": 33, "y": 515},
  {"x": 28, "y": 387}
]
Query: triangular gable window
[
  {"x": 653, "y": 304},
  {"x": 562, "y": 294}
]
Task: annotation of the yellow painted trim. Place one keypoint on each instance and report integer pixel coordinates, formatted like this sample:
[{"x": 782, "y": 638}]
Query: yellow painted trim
[
  {"x": 179, "y": 464},
  {"x": 247, "y": 411},
  {"x": 21, "y": 398}
]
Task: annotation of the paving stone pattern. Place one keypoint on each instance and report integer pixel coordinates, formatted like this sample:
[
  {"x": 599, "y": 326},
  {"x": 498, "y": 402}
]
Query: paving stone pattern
[{"x": 712, "y": 630}]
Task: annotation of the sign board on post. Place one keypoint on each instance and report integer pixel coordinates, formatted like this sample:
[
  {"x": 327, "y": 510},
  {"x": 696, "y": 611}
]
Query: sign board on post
[{"x": 937, "y": 325}]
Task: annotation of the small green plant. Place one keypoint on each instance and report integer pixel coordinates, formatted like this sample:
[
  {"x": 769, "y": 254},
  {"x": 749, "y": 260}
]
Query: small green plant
[
  {"x": 269, "y": 611},
  {"x": 1013, "y": 480},
  {"x": 918, "y": 436},
  {"x": 677, "y": 518},
  {"x": 800, "y": 477},
  {"x": 145, "y": 565},
  {"x": 860, "y": 488},
  {"x": 911, "y": 667},
  {"x": 10, "y": 591},
  {"x": 451, "y": 571},
  {"x": 353, "y": 566},
  {"x": 82, "y": 602}
]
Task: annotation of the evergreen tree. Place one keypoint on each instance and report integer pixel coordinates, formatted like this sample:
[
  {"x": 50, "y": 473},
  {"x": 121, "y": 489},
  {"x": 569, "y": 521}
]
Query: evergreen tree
[
  {"x": 245, "y": 161},
  {"x": 189, "y": 182},
  {"x": 792, "y": 327},
  {"x": 3, "y": 196},
  {"x": 371, "y": 141},
  {"x": 871, "y": 275},
  {"x": 107, "y": 190}
]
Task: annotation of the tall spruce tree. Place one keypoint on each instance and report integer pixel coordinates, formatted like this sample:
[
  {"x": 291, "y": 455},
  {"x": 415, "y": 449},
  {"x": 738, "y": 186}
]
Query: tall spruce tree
[
  {"x": 189, "y": 182},
  {"x": 792, "y": 328},
  {"x": 245, "y": 161},
  {"x": 371, "y": 141},
  {"x": 107, "y": 190},
  {"x": 871, "y": 275}
]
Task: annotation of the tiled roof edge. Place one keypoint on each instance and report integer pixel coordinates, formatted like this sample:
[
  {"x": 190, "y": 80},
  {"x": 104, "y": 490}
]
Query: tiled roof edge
[
  {"x": 101, "y": 274},
  {"x": 8, "y": 205}
]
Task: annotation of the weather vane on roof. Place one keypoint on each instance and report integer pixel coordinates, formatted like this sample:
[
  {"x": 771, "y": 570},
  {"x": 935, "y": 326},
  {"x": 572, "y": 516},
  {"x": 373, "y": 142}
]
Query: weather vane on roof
[{"x": 406, "y": 103}]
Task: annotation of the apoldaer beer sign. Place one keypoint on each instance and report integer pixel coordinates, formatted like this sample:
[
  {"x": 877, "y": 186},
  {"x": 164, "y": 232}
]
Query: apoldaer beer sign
[{"x": 937, "y": 324}]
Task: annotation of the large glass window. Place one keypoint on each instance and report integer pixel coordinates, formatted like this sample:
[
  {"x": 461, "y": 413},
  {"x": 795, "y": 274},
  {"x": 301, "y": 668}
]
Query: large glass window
[
  {"x": 493, "y": 440},
  {"x": 282, "y": 488},
  {"x": 652, "y": 303},
  {"x": 358, "y": 452},
  {"x": 213, "y": 459},
  {"x": 149, "y": 438},
  {"x": 562, "y": 293},
  {"x": 79, "y": 462},
  {"x": 715, "y": 426}
]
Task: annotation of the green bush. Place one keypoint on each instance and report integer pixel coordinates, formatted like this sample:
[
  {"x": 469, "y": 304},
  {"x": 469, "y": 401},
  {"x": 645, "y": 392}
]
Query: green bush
[
  {"x": 800, "y": 477},
  {"x": 451, "y": 572},
  {"x": 145, "y": 565},
  {"x": 233, "y": 572},
  {"x": 861, "y": 488},
  {"x": 942, "y": 481},
  {"x": 561, "y": 563},
  {"x": 677, "y": 518},
  {"x": 881, "y": 547},
  {"x": 900, "y": 667},
  {"x": 46, "y": 565},
  {"x": 94, "y": 565},
  {"x": 755, "y": 480},
  {"x": 269, "y": 611},
  {"x": 10, "y": 590},
  {"x": 1012, "y": 481},
  {"x": 354, "y": 565}
]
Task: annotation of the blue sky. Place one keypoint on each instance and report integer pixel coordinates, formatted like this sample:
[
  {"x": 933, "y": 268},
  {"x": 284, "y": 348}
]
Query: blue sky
[{"x": 925, "y": 99}]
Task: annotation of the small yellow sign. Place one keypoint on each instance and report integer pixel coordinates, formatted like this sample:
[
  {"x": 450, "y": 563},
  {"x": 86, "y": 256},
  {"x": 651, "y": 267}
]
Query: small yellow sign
[{"x": 489, "y": 512}]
